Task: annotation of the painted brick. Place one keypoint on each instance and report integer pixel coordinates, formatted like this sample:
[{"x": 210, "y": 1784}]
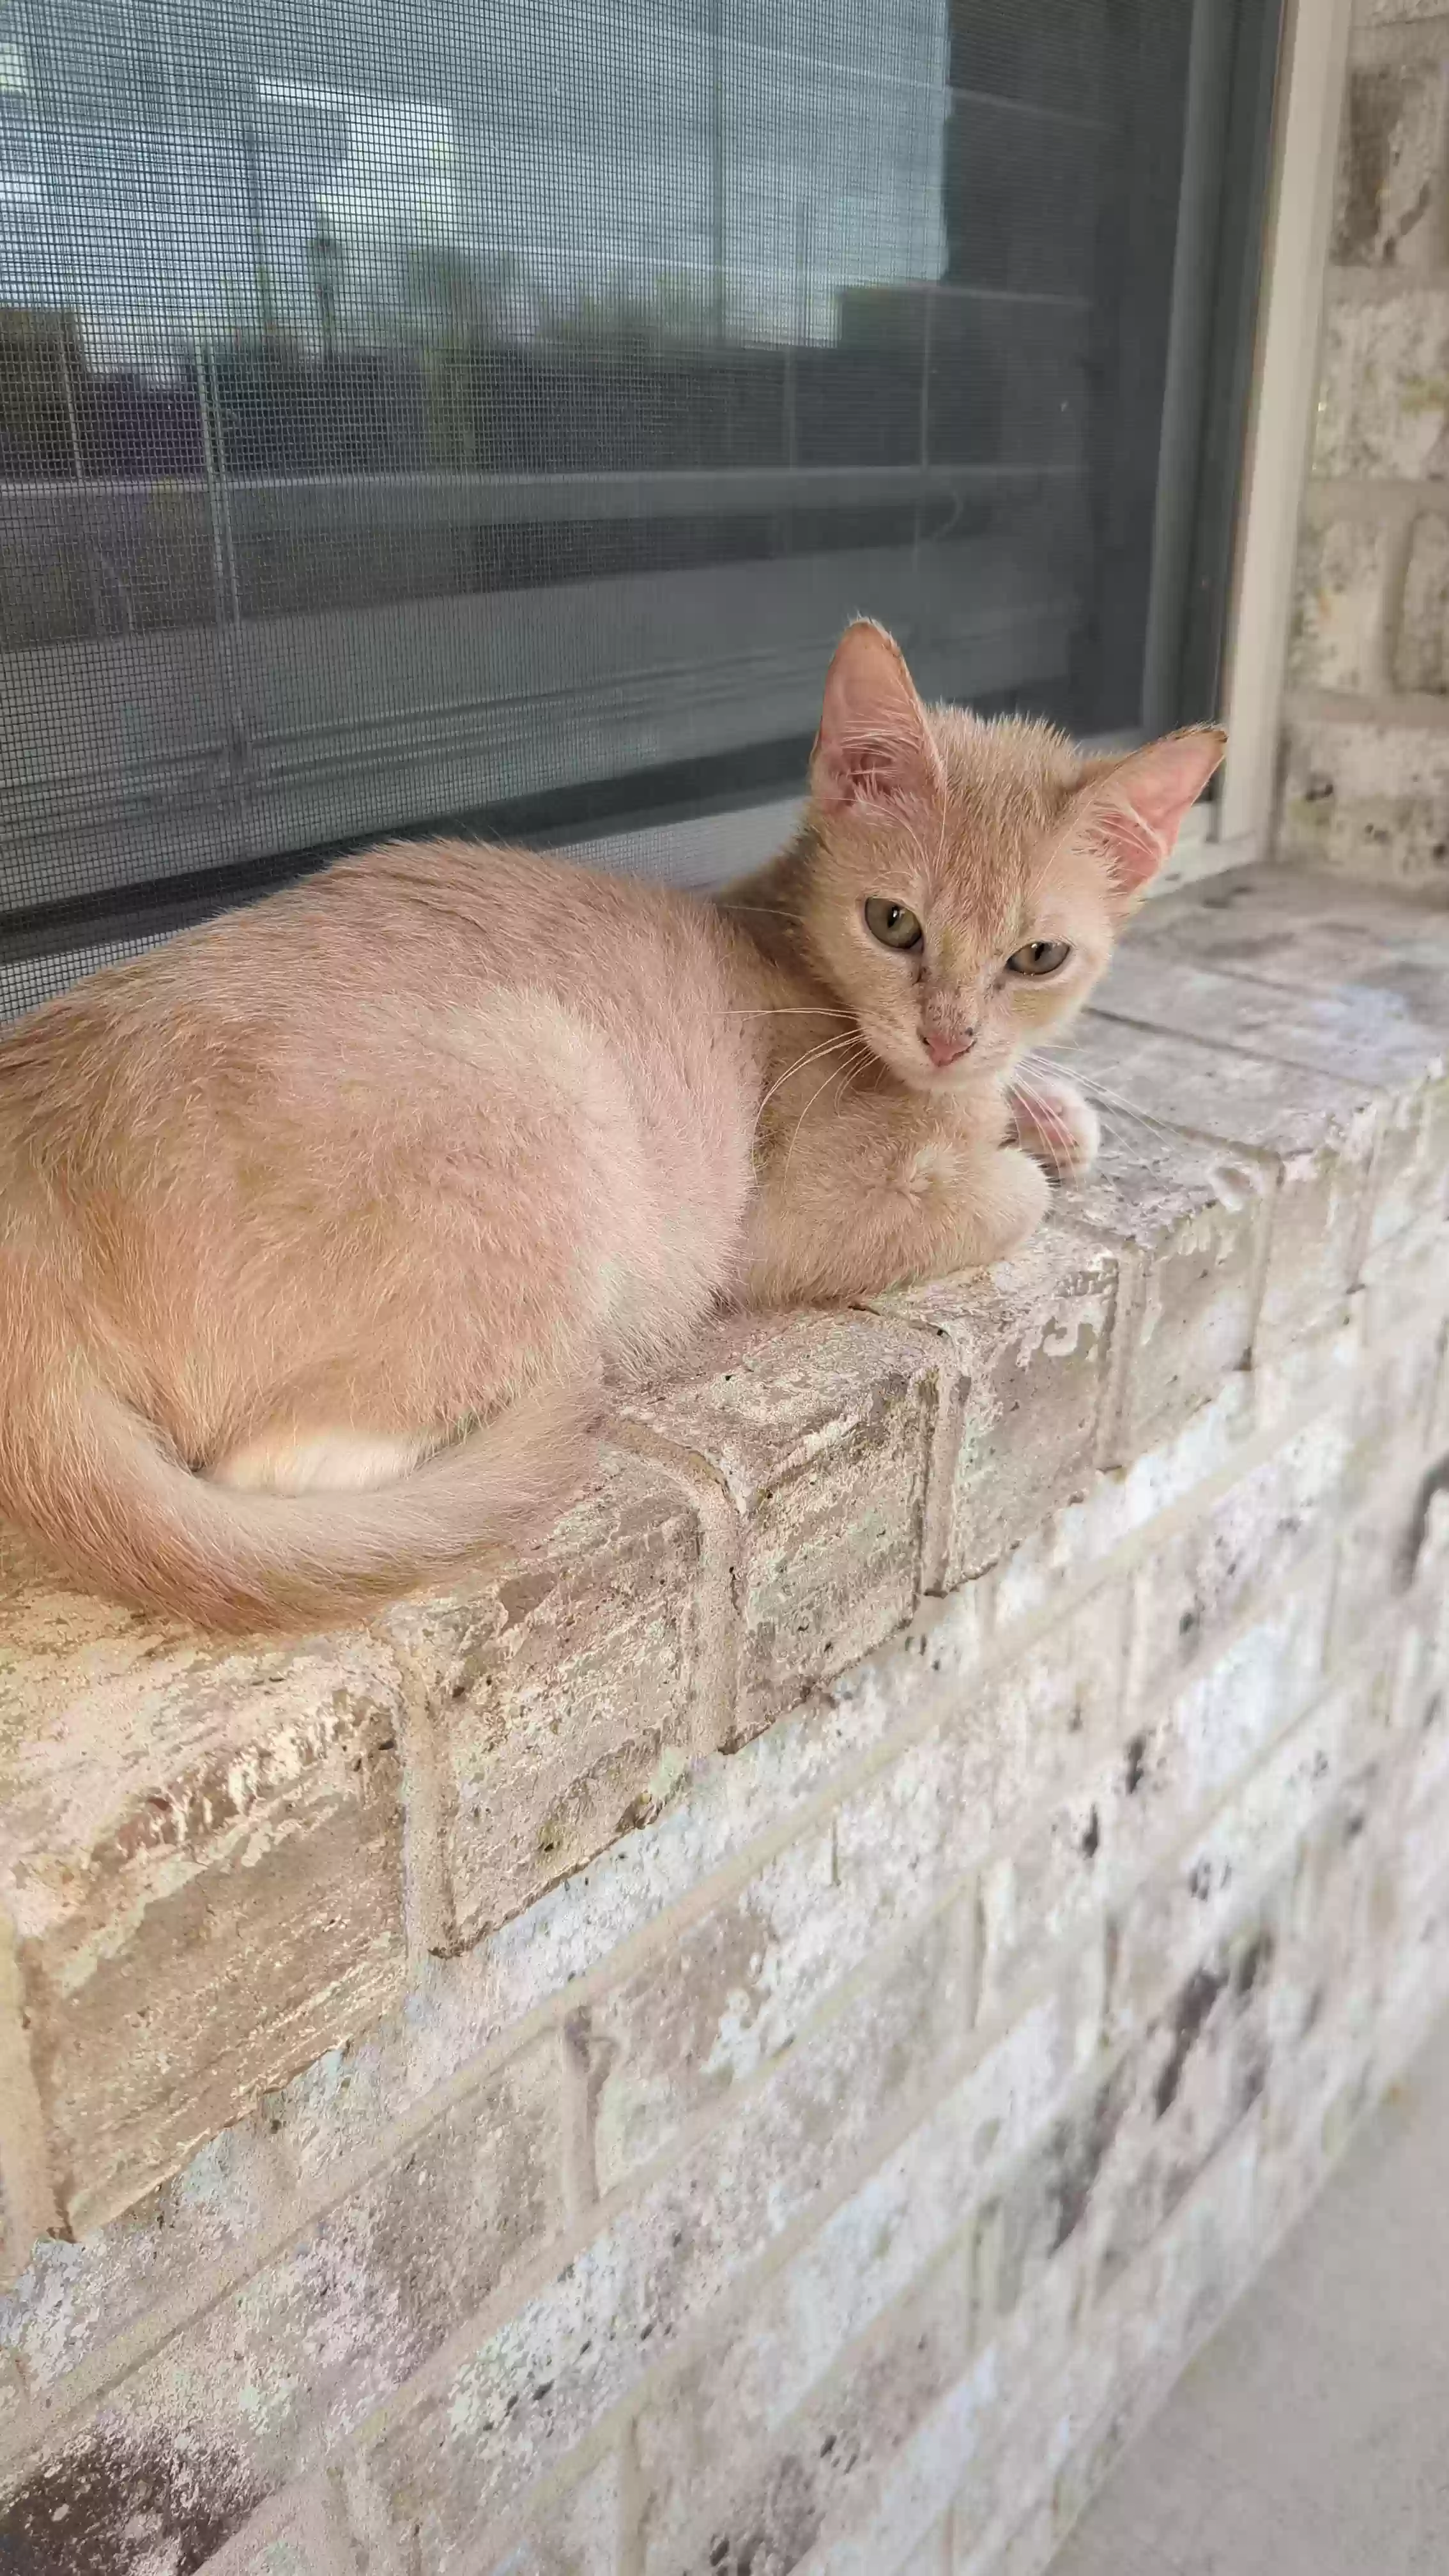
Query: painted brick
[
  {"x": 787, "y": 2076},
  {"x": 731, "y": 1992},
  {"x": 819, "y": 1429},
  {"x": 1409, "y": 1172},
  {"x": 1054, "y": 2429},
  {"x": 1384, "y": 13},
  {"x": 200, "y": 1852},
  {"x": 1113, "y": 2168},
  {"x": 465, "y": 2444},
  {"x": 1013, "y": 1739},
  {"x": 709, "y": 2427},
  {"x": 327, "y": 2330},
  {"x": 1031, "y": 1340},
  {"x": 1382, "y": 1511},
  {"x": 914, "y": 2488},
  {"x": 1323, "y": 936},
  {"x": 1027, "y": 2551},
  {"x": 578, "y": 2534},
  {"x": 1320, "y": 1130},
  {"x": 805, "y": 2491},
  {"x": 1123, "y": 1817},
  {"x": 1317, "y": 1372},
  {"x": 1362, "y": 1036},
  {"x": 931, "y": 2557},
  {"x": 1236, "y": 1698},
  {"x": 1338, "y": 604},
  {"x": 1369, "y": 798},
  {"x": 1383, "y": 387},
  {"x": 1195, "y": 1220},
  {"x": 1249, "y": 1839},
  {"x": 300, "y": 2537},
  {"x": 1081, "y": 1539},
  {"x": 738, "y": 1983},
  {"x": 1421, "y": 643},
  {"x": 1205, "y": 1577},
  {"x": 1389, "y": 209},
  {"x": 74, "y": 2299},
  {"x": 528, "y": 1675},
  {"x": 1403, "y": 1365},
  {"x": 713, "y": 2436}
]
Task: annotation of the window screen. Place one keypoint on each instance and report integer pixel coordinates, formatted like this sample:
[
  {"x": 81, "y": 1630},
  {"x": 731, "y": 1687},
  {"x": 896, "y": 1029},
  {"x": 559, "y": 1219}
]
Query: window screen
[{"x": 489, "y": 411}]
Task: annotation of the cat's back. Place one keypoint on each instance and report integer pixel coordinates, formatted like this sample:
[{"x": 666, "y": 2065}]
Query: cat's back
[{"x": 368, "y": 999}]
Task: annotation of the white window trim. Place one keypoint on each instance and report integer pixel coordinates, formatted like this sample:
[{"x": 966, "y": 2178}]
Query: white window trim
[{"x": 1308, "y": 108}]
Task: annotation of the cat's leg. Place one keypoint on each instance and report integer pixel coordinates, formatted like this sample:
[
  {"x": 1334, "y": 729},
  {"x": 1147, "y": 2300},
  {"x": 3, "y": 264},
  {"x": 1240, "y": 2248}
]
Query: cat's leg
[
  {"x": 320, "y": 1462},
  {"x": 874, "y": 1195},
  {"x": 1054, "y": 1123}
]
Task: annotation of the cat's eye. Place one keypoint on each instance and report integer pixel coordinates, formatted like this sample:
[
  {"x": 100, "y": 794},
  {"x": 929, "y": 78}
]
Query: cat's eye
[
  {"x": 891, "y": 924},
  {"x": 1038, "y": 957}
]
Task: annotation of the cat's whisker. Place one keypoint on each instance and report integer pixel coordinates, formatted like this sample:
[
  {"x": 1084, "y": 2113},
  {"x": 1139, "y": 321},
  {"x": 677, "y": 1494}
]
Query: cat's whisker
[
  {"x": 1103, "y": 1096},
  {"x": 867, "y": 1059},
  {"x": 812, "y": 1055},
  {"x": 833, "y": 1075},
  {"x": 1047, "y": 1118},
  {"x": 1131, "y": 1129}
]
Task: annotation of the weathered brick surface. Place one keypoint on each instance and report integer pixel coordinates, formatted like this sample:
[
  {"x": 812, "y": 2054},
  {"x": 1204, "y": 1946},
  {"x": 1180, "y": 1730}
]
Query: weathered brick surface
[
  {"x": 1369, "y": 796},
  {"x": 568, "y": 1692},
  {"x": 1421, "y": 640},
  {"x": 909, "y": 1888},
  {"x": 1031, "y": 1344},
  {"x": 1389, "y": 208},
  {"x": 1384, "y": 392},
  {"x": 470, "y": 2439},
  {"x": 805, "y": 2489},
  {"x": 1365, "y": 784},
  {"x": 1339, "y": 604},
  {"x": 1196, "y": 1220},
  {"x": 336, "y": 2322},
  {"x": 200, "y": 1856},
  {"x": 1319, "y": 1129},
  {"x": 819, "y": 1431},
  {"x": 578, "y": 2534}
]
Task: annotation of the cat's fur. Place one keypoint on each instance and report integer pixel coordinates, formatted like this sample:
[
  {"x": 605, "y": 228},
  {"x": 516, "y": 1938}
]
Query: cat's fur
[{"x": 321, "y": 1228}]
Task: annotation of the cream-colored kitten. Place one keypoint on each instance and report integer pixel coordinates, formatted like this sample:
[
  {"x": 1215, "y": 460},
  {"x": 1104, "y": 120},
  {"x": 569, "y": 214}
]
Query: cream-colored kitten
[{"x": 321, "y": 1228}]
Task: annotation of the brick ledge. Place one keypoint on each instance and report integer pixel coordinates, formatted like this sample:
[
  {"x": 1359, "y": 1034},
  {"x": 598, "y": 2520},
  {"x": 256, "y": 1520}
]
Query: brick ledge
[{"x": 217, "y": 1864}]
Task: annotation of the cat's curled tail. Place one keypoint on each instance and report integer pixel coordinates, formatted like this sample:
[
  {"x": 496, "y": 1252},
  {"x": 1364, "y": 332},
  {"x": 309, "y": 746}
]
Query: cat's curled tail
[{"x": 92, "y": 1482}]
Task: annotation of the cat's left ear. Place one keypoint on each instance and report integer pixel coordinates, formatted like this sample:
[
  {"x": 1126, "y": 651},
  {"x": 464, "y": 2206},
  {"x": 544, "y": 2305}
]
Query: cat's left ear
[
  {"x": 1136, "y": 806},
  {"x": 874, "y": 748}
]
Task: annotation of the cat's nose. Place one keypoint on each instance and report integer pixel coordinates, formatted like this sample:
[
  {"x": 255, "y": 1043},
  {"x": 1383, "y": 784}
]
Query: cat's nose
[{"x": 950, "y": 1050}]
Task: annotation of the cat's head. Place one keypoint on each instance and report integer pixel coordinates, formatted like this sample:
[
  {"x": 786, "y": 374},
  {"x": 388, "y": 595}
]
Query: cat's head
[{"x": 966, "y": 879}]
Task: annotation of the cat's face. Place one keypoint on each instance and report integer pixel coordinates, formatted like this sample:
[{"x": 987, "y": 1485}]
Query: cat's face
[{"x": 968, "y": 879}]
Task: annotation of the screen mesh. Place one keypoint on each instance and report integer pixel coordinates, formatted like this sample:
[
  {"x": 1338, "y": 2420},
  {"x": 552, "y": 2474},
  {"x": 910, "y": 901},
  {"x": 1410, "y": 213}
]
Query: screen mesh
[{"x": 422, "y": 410}]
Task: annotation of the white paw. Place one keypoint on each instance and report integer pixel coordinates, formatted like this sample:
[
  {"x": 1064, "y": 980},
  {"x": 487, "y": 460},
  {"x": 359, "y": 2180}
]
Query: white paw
[{"x": 1055, "y": 1124}]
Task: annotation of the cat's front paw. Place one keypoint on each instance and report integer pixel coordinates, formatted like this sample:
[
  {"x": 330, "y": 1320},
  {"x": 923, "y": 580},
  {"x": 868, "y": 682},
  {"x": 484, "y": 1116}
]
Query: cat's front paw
[
  {"x": 1054, "y": 1124},
  {"x": 1009, "y": 1196}
]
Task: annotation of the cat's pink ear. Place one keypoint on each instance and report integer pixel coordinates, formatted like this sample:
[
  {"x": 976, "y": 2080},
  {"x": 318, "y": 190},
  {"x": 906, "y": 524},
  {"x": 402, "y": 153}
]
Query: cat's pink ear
[
  {"x": 874, "y": 747},
  {"x": 1137, "y": 807}
]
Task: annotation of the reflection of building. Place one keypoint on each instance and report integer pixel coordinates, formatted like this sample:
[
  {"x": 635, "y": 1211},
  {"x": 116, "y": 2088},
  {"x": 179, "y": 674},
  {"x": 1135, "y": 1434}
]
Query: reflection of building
[
  {"x": 41, "y": 368},
  {"x": 591, "y": 159}
]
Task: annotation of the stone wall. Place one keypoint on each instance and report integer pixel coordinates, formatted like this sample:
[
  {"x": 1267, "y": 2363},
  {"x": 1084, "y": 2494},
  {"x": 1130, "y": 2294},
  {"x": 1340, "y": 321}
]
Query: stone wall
[
  {"x": 1366, "y": 778},
  {"x": 758, "y": 2038}
]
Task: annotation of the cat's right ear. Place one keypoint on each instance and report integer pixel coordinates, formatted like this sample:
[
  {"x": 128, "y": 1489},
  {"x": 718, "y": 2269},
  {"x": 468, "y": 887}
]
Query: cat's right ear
[{"x": 874, "y": 749}]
